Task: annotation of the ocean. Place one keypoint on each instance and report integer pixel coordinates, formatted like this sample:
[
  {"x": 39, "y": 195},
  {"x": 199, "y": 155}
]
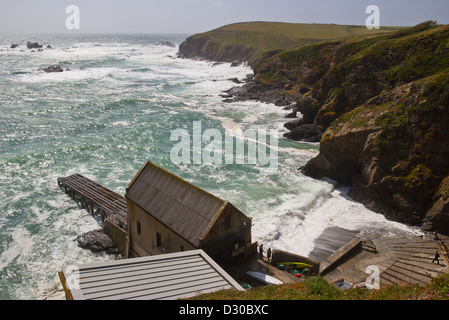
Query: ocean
[{"x": 118, "y": 106}]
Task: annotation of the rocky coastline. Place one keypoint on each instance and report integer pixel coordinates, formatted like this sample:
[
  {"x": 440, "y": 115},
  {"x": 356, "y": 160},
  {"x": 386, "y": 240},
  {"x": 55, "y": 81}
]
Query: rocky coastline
[{"x": 379, "y": 108}]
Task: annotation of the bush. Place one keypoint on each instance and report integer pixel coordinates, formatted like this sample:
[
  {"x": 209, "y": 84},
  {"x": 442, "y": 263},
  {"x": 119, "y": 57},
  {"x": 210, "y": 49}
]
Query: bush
[
  {"x": 440, "y": 285},
  {"x": 318, "y": 286},
  {"x": 418, "y": 28}
]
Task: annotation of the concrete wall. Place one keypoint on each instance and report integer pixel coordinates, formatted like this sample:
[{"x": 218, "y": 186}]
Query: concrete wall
[
  {"x": 352, "y": 247},
  {"x": 117, "y": 235}
]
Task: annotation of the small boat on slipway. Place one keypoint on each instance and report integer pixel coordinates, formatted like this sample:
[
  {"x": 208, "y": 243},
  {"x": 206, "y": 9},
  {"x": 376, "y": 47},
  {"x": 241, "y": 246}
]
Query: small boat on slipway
[{"x": 265, "y": 278}]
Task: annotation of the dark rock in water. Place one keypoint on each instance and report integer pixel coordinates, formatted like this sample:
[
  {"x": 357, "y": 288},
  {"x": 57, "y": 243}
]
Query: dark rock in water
[
  {"x": 249, "y": 77},
  {"x": 236, "y": 91},
  {"x": 235, "y": 80},
  {"x": 256, "y": 91},
  {"x": 97, "y": 241},
  {"x": 168, "y": 44},
  {"x": 49, "y": 47},
  {"x": 236, "y": 64},
  {"x": 291, "y": 114},
  {"x": 33, "y": 45},
  {"x": 53, "y": 68},
  {"x": 306, "y": 132},
  {"x": 291, "y": 125},
  {"x": 14, "y": 45}
]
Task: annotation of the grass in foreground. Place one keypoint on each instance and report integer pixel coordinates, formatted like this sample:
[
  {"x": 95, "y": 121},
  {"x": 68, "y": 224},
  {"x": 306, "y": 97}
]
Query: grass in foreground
[{"x": 317, "y": 288}]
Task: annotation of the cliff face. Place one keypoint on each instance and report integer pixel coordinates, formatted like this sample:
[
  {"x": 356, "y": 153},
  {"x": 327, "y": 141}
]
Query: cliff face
[
  {"x": 384, "y": 103},
  {"x": 393, "y": 150},
  {"x": 206, "y": 46},
  {"x": 381, "y": 103}
]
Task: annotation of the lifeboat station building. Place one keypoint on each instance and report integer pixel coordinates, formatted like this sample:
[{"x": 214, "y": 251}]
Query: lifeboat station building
[{"x": 167, "y": 214}]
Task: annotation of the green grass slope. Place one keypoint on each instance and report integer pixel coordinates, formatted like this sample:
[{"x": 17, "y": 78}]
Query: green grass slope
[
  {"x": 317, "y": 288},
  {"x": 254, "y": 41}
]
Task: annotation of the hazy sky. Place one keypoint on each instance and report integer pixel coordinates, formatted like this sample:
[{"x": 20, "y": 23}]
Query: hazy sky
[{"x": 191, "y": 16}]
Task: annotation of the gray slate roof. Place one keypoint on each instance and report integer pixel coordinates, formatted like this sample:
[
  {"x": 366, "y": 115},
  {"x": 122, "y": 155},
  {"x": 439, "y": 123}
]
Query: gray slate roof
[
  {"x": 160, "y": 277},
  {"x": 183, "y": 207}
]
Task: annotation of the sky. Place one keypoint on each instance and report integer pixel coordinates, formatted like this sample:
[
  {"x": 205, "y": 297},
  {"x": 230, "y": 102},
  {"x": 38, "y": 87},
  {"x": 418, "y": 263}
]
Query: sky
[{"x": 193, "y": 16}]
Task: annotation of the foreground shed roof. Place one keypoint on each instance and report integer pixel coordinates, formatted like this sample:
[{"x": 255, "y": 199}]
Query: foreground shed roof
[
  {"x": 160, "y": 277},
  {"x": 183, "y": 207}
]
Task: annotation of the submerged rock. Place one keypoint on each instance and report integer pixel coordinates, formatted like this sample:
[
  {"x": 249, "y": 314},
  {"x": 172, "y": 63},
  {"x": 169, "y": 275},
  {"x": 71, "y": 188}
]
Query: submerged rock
[
  {"x": 168, "y": 44},
  {"x": 53, "y": 68}
]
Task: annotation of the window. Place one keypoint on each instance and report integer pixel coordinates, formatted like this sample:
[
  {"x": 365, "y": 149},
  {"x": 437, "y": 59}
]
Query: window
[
  {"x": 139, "y": 230},
  {"x": 158, "y": 239}
]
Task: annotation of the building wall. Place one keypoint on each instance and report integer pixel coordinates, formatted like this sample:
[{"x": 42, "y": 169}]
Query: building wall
[
  {"x": 147, "y": 236},
  {"x": 227, "y": 239},
  {"x": 230, "y": 233},
  {"x": 117, "y": 235}
]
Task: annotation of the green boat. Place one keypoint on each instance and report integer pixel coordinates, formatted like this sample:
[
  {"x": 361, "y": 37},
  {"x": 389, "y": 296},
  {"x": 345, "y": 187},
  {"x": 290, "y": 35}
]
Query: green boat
[{"x": 298, "y": 265}]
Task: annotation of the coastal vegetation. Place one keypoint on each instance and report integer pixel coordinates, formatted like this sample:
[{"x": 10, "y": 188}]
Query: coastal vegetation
[
  {"x": 254, "y": 41},
  {"x": 317, "y": 288}
]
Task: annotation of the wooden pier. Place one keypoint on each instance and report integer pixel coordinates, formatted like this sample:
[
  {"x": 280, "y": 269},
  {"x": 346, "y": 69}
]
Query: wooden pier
[{"x": 96, "y": 199}]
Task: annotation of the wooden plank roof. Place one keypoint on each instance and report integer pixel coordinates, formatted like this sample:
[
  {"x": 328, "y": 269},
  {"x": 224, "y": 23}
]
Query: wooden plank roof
[
  {"x": 160, "y": 277},
  {"x": 181, "y": 206}
]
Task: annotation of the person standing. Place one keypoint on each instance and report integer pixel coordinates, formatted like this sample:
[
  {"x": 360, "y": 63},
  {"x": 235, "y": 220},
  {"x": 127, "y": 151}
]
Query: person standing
[
  {"x": 261, "y": 251},
  {"x": 437, "y": 255},
  {"x": 269, "y": 255}
]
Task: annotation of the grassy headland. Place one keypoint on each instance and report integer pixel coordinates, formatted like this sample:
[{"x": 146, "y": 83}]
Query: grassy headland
[{"x": 254, "y": 41}]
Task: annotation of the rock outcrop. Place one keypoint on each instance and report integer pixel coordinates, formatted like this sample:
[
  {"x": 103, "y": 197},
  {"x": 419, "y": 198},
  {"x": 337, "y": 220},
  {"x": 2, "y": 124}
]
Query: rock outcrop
[
  {"x": 393, "y": 152},
  {"x": 386, "y": 112},
  {"x": 97, "y": 241},
  {"x": 53, "y": 68},
  {"x": 33, "y": 45}
]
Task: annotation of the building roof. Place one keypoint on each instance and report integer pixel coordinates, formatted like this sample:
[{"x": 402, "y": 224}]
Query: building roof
[
  {"x": 186, "y": 209},
  {"x": 159, "y": 277}
]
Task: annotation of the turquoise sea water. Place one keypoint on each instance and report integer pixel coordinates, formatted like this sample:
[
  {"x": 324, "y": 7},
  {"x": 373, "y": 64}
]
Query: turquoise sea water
[{"x": 116, "y": 108}]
